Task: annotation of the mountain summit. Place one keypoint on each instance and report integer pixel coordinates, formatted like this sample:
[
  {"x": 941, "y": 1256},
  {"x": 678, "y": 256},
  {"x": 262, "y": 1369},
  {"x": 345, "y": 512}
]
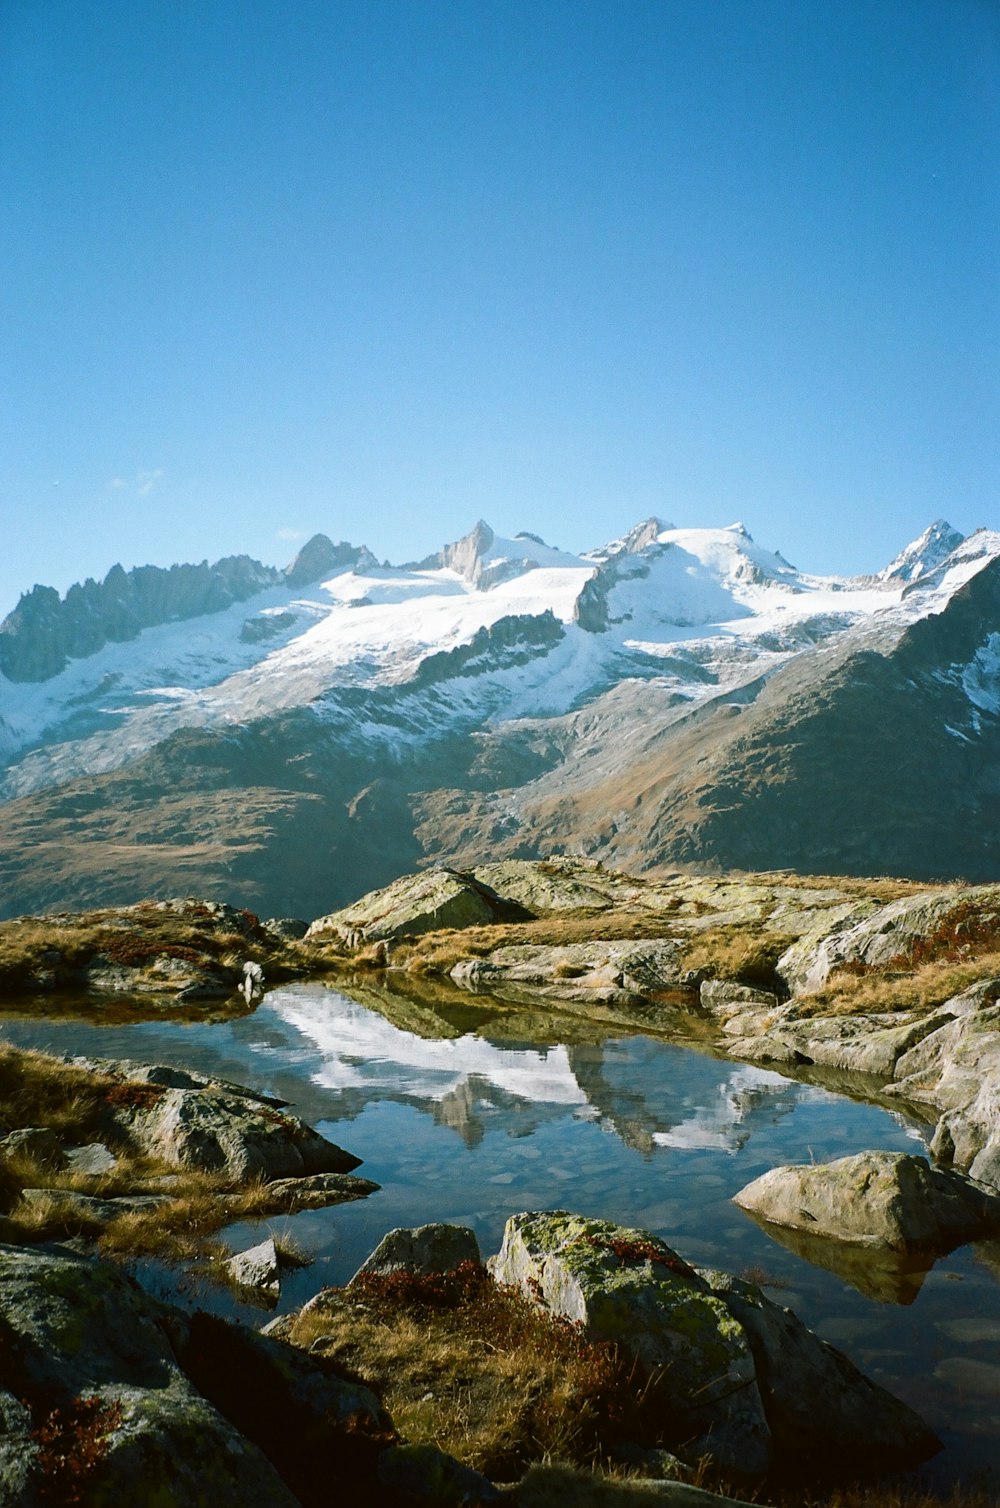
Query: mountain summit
[{"x": 676, "y": 695}]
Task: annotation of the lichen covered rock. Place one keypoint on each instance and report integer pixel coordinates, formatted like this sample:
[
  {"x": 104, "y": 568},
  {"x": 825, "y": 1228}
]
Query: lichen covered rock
[{"x": 629, "y": 1287}]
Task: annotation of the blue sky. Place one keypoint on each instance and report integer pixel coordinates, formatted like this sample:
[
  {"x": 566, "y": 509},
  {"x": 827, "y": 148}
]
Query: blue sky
[{"x": 381, "y": 267}]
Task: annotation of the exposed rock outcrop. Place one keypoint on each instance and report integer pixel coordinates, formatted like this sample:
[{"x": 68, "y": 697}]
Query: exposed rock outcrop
[
  {"x": 95, "y": 1402},
  {"x": 44, "y": 631},
  {"x": 422, "y": 1249},
  {"x": 419, "y": 903}
]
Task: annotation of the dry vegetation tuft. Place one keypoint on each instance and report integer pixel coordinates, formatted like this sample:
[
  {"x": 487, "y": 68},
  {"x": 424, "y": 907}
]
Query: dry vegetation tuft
[{"x": 478, "y": 1371}]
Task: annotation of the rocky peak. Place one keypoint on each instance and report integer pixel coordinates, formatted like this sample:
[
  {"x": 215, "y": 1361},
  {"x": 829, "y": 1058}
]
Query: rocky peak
[
  {"x": 467, "y": 555},
  {"x": 320, "y": 557},
  {"x": 923, "y": 554},
  {"x": 44, "y": 632}
]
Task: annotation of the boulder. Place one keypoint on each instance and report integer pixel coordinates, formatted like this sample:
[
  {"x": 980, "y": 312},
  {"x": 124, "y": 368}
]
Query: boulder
[
  {"x": 323, "y": 1432},
  {"x": 882, "y": 1199},
  {"x": 422, "y": 1249},
  {"x": 417, "y": 903},
  {"x": 221, "y": 1131},
  {"x": 824, "y": 1415},
  {"x": 257, "y": 1269},
  {"x": 629, "y": 1287},
  {"x": 100, "y": 1407},
  {"x": 39, "y": 1142},
  {"x": 770, "y": 1393},
  {"x": 425, "y": 1474}
]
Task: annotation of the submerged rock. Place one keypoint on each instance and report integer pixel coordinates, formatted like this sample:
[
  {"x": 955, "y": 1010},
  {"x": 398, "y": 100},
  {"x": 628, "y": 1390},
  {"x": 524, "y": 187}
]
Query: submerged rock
[{"x": 885, "y": 1199}]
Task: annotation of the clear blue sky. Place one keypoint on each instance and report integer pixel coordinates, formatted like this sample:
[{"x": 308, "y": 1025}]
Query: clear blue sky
[{"x": 379, "y": 267}]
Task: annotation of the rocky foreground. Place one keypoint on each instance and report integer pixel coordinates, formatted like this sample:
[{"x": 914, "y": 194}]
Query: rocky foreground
[{"x": 109, "y": 1396}]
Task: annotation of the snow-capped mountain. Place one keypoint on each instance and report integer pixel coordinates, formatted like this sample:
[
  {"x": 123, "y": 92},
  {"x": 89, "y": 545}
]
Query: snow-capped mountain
[{"x": 501, "y": 694}]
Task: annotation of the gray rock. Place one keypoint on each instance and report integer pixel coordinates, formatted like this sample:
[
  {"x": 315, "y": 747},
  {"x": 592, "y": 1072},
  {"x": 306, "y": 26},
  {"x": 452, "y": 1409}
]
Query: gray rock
[
  {"x": 720, "y": 992},
  {"x": 286, "y": 928},
  {"x": 601, "y": 971},
  {"x": 34, "y": 1141},
  {"x": 822, "y": 1412},
  {"x": 316, "y": 1426},
  {"x": 878, "y": 939},
  {"x": 258, "y": 1268},
  {"x": 629, "y": 1287},
  {"x": 18, "y": 1450},
  {"x": 79, "y": 1336},
  {"x": 555, "y": 1486},
  {"x": 220, "y": 1131},
  {"x": 656, "y": 1464},
  {"x": 886, "y": 1199},
  {"x": 412, "y": 905},
  {"x": 422, "y": 1249},
  {"x": 69, "y": 1206},
  {"x": 318, "y": 1190},
  {"x": 428, "y": 1475},
  {"x": 93, "y": 1159}
]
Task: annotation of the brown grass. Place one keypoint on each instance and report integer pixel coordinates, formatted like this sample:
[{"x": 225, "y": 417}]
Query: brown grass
[
  {"x": 478, "y": 1371},
  {"x": 746, "y": 953},
  {"x": 848, "y": 993},
  {"x": 38, "y": 1090},
  {"x": 58, "y": 948}
]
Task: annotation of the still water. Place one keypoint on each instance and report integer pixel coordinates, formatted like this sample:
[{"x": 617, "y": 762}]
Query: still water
[{"x": 470, "y": 1112}]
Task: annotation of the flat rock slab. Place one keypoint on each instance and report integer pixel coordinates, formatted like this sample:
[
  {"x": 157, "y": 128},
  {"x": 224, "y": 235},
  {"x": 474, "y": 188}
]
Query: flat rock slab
[
  {"x": 67, "y": 1204},
  {"x": 93, "y": 1159},
  {"x": 318, "y": 1190},
  {"x": 878, "y": 1199}
]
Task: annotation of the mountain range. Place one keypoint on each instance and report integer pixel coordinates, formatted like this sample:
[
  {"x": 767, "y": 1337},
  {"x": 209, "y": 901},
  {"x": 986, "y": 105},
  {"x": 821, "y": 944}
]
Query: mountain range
[{"x": 678, "y": 697}]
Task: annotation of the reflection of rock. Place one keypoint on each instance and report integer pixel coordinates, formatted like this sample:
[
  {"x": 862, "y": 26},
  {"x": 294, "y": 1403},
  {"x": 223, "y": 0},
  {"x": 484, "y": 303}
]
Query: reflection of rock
[
  {"x": 887, "y": 1277},
  {"x": 456, "y": 1109},
  {"x": 885, "y": 1199}
]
